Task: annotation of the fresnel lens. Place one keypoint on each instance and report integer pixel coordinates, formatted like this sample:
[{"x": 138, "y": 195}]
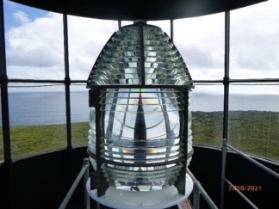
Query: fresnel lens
[{"x": 139, "y": 138}]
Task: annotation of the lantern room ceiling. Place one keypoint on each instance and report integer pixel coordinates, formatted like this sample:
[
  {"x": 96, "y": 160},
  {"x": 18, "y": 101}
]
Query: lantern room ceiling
[{"x": 138, "y": 9}]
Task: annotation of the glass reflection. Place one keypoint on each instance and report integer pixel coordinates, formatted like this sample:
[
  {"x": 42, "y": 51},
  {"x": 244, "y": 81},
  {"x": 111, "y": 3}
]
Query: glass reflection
[
  {"x": 37, "y": 119},
  {"x": 79, "y": 114},
  {"x": 253, "y": 40},
  {"x": 254, "y": 120},
  {"x": 87, "y": 37},
  {"x": 34, "y": 43},
  {"x": 207, "y": 111},
  {"x": 200, "y": 41}
]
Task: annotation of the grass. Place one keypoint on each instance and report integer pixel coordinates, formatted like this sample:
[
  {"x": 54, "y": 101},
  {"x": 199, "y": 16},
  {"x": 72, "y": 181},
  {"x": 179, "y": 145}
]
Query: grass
[
  {"x": 27, "y": 140},
  {"x": 253, "y": 132}
]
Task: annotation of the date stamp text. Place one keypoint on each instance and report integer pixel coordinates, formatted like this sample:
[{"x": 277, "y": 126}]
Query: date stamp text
[{"x": 243, "y": 188}]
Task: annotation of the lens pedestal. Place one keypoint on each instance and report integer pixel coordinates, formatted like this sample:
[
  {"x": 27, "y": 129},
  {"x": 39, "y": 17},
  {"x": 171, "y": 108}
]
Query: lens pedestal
[{"x": 159, "y": 199}]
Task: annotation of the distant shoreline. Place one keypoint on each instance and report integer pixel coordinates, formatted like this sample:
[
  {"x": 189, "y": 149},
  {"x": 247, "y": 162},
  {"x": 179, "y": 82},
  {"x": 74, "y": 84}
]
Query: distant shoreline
[
  {"x": 253, "y": 132},
  {"x": 34, "y": 108}
]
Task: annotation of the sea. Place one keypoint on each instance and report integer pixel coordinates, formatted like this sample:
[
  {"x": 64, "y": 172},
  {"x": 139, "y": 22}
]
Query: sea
[{"x": 45, "y": 108}]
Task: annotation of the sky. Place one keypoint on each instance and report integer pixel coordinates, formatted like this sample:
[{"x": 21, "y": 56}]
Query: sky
[{"x": 34, "y": 44}]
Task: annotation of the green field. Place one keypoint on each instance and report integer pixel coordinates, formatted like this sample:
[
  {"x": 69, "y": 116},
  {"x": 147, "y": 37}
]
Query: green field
[
  {"x": 253, "y": 132},
  {"x": 27, "y": 140}
]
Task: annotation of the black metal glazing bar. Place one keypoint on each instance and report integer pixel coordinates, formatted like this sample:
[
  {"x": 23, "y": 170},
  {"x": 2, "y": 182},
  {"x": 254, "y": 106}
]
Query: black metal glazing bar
[
  {"x": 44, "y": 81},
  {"x": 5, "y": 120},
  {"x": 226, "y": 78},
  {"x": 4, "y": 90},
  {"x": 254, "y": 80},
  {"x": 5, "y": 108},
  {"x": 232, "y": 81},
  {"x": 67, "y": 95},
  {"x": 119, "y": 24},
  {"x": 208, "y": 82},
  {"x": 67, "y": 82},
  {"x": 239, "y": 81},
  {"x": 241, "y": 194},
  {"x": 171, "y": 30},
  {"x": 79, "y": 81},
  {"x": 226, "y": 105}
]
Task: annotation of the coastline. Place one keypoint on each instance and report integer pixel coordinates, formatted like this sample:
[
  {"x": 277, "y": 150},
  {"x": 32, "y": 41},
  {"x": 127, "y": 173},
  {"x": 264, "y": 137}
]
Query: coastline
[{"x": 253, "y": 132}]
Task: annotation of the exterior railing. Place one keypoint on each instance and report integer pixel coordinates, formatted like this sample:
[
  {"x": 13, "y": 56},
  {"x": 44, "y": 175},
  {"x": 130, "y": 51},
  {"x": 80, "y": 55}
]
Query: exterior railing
[
  {"x": 85, "y": 174},
  {"x": 198, "y": 189},
  {"x": 224, "y": 180}
]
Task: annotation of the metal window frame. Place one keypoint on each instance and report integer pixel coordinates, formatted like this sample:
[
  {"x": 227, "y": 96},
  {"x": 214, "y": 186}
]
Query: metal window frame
[
  {"x": 226, "y": 81},
  {"x": 5, "y": 105},
  {"x": 225, "y": 145}
]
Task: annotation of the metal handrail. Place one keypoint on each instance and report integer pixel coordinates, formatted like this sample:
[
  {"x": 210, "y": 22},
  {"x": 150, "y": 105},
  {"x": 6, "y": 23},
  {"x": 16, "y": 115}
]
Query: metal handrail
[
  {"x": 85, "y": 174},
  {"x": 241, "y": 194},
  {"x": 198, "y": 189},
  {"x": 260, "y": 165},
  {"x": 268, "y": 170}
]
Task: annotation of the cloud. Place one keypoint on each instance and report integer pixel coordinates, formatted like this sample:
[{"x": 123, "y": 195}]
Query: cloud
[
  {"x": 201, "y": 43},
  {"x": 42, "y": 56},
  {"x": 21, "y": 17},
  {"x": 201, "y": 57},
  {"x": 35, "y": 47},
  {"x": 24, "y": 72},
  {"x": 87, "y": 38},
  {"x": 255, "y": 40}
]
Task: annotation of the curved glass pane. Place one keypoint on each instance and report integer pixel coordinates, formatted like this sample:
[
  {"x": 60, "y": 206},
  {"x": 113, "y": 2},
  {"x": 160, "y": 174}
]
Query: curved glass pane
[
  {"x": 79, "y": 114},
  {"x": 37, "y": 118},
  {"x": 207, "y": 115},
  {"x": 124, "y": 23},
  {"x": 87, "y": 38},
  {"x": 254, "y": 119},
  {"x": 34, "y": 43},
  {"x": 254, "y": 41},
  {"x": 200, "y": 42},
  {"x": 164, "y": 24}
]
